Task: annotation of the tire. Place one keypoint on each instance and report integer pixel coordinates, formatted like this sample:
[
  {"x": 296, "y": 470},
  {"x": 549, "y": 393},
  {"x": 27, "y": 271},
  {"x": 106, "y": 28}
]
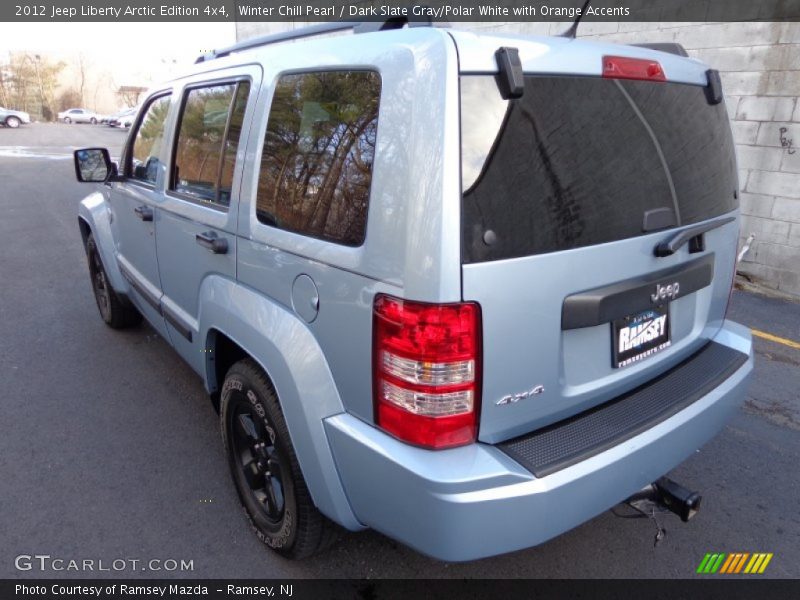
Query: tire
[
  {"x": 67, "y": 120},
  {"x": 117, "y": 312},
  {"x": 12, "y": 122},
  {"x": 93, "y": 121},
  {"x": 264, "y": 466}
]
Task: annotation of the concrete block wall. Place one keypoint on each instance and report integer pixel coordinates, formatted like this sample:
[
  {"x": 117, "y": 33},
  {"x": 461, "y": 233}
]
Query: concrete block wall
[{"x": 760, "y": 68}]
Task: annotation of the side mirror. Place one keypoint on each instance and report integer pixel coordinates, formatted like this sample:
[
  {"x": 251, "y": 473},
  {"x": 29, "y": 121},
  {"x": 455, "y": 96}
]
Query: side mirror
[{"x": 93, "y": 165}]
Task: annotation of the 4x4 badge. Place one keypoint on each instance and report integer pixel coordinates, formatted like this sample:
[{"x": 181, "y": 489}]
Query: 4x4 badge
[{"x": 514, "y": 398}]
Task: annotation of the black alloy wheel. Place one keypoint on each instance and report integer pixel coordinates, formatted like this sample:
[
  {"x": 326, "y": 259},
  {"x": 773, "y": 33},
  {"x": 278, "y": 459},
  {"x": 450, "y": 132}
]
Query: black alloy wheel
[
  {"x": 265, "y": 468},
  {"x": 257, "y": 458}
]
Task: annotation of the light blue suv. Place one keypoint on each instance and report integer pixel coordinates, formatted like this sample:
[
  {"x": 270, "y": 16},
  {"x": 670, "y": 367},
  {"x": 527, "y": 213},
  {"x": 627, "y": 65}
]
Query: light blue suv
[{"x": 467, "y": 290}]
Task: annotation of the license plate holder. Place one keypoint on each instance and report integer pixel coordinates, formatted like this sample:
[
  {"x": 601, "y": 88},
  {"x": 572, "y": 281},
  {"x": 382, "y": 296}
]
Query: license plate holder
[{"x": 639, "y": 336}]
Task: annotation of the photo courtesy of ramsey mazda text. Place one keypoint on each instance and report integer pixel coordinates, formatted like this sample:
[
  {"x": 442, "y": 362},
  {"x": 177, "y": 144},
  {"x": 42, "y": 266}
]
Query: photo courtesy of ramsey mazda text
[{"x": 466, "y": 289}]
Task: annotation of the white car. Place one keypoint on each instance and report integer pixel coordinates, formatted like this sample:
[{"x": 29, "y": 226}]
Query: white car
[
  {"x": 124, "y": 118},
  {"x": 13, "y": 118},
  {"x": 78, "y": 115}
]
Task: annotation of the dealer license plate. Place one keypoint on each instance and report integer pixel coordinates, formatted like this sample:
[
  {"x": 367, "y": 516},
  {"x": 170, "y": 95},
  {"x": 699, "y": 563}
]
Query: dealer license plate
[{"x": 639, "y": 336}]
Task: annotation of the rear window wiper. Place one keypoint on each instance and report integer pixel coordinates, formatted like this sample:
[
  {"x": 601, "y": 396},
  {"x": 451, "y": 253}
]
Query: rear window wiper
[{"x": 670, "y": 246}]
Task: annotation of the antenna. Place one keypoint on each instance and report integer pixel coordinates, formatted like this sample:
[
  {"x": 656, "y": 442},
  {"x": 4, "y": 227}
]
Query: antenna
[{"x": 573, "y": 29}]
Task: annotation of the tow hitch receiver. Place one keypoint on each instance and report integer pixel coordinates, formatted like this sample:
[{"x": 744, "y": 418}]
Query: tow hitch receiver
[
  {"x": 678, "y": 499},
  {"x": 672, "y": 496}
]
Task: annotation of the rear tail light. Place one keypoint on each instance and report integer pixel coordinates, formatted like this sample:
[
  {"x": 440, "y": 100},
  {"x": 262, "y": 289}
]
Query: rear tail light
[
  {"x": 621, "y": 67},
  {"x": 426, "y": 371}
]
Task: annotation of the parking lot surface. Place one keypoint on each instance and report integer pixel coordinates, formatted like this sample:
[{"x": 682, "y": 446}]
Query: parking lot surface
[{"x": 110, "y": 449}]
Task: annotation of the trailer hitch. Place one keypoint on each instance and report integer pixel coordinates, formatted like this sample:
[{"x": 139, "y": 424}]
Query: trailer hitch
[
  {"x": 672, "y": 496},
  {"x": 661, "y": 496}
]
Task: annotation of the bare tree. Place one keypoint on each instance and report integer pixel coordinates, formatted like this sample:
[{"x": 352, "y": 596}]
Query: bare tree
[
  {"x": 81, "y": 65},
  {"x": 130, "y": 94},
  {"x": 27, "y": 82},
  {"x": 4, "y": 91}
]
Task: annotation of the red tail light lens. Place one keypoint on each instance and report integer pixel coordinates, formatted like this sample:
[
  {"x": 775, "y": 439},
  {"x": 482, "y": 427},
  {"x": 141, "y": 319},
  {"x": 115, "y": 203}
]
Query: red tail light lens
[
  {"x": 620, "y": 67},
  {"x": 426, "y": 371}
]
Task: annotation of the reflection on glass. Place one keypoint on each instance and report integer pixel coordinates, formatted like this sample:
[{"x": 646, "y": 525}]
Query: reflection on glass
[
  {"x": 579, "y": 161},
  {"x": 232, "y": 142},
  {"x": 92, "y": 165},
  {"x": 147, "y": 145},
  {"x": 479, "y": 128},
  {"x": 316, "y": 167},
  {"x": 202, "y": 142}
]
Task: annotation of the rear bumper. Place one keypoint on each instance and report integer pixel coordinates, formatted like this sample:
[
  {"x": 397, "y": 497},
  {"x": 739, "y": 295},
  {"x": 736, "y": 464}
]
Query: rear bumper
[{"x": 475, "y": 501}]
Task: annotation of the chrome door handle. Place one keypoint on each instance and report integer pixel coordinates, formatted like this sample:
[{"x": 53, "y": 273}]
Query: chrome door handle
[{"x": 211, "y": 241}]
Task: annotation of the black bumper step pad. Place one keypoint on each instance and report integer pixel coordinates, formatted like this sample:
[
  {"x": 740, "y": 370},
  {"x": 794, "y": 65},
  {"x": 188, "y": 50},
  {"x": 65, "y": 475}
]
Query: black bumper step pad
[{"x": 567, "y": 442}]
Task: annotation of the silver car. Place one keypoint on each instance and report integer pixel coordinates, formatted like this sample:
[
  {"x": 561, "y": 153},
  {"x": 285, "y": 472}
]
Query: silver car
[
  {"x": 13, "y": 118},
  {"x": 78, "y": 115},
  {"x": 468, "y": 290}
]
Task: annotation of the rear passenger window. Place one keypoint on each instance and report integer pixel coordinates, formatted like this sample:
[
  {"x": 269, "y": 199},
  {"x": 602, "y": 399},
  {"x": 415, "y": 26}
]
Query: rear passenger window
[
  {"x": 147, "y": 142},
  {"x": 208, "y": 137},
  {"x": 316, "y": 166}
]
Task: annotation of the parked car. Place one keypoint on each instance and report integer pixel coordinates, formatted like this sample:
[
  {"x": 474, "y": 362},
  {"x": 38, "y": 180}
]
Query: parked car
[
  {"x": 78, "y": 115},
  {"x": 126, "y": 120},
  {"x": 469, "y": 290},
  {"x": 123, "y": 119},
  {"x": 13, "y": 118}
]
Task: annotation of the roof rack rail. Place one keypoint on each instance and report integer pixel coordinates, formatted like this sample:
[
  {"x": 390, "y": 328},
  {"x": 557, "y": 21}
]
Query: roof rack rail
[{"x": 320, "y": 29}]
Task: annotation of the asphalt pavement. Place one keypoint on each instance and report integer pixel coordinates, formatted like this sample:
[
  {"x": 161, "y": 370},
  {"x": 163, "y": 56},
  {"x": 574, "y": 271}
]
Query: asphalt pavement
[{"x": 110, "y": 449}]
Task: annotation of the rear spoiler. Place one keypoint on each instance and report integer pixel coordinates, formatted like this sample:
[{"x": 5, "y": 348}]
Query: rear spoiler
[
  {"x": 714, "y": 87},
  {"x": 669, "y": 47}
]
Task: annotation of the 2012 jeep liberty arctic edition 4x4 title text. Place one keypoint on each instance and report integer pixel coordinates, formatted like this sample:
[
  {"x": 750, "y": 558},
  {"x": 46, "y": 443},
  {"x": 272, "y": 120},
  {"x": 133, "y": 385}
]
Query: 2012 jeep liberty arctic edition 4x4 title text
[{"x": 467, "y": 290}]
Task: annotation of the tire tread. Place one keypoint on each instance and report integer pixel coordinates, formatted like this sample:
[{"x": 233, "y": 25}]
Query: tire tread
[
  {"x": 315, "y": 532},
  {"x": 123, "y": 313}
]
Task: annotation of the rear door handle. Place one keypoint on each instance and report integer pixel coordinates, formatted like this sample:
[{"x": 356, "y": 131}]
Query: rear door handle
[
  {"x": 211, "y": 241},
  {"x": 145, "y": 213}
]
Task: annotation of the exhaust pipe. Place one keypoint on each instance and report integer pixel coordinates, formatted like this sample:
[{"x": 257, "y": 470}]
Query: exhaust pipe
[{"x": 672, "y": 496}]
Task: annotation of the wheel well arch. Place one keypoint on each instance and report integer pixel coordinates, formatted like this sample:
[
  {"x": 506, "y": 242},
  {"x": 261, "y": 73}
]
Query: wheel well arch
[
  {"x": 222, "y": 352},
  {"x": 85, "y": 231},
  {"x": 237, "y": 322}
]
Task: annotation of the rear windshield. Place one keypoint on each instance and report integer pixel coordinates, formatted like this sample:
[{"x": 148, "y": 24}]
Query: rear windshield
[{"x": 578, "y": 161}]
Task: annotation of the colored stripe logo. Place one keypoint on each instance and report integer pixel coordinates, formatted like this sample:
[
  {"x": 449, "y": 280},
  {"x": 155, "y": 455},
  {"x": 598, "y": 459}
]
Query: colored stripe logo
[{"x": 734, "y": 563}]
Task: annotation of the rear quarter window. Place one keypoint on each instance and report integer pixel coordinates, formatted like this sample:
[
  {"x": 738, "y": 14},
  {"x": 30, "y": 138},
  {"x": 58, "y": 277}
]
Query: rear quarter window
[{"x": 318, "y": 152}]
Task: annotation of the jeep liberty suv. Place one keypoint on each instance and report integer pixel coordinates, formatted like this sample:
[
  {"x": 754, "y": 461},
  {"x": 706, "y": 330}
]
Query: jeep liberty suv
[{"x": 467, "y": 290}]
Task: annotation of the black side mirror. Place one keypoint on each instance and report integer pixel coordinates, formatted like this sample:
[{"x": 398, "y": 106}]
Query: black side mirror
[{"x": 93, "y": 165}]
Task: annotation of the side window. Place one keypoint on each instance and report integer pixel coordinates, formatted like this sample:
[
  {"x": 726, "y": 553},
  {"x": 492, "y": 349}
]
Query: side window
[
  {"x": 148, "y": 140},
  {"x": 232, "y": 142},
  {"x": 208, "y": 137},
  {"x": 316, "y": 165}
]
